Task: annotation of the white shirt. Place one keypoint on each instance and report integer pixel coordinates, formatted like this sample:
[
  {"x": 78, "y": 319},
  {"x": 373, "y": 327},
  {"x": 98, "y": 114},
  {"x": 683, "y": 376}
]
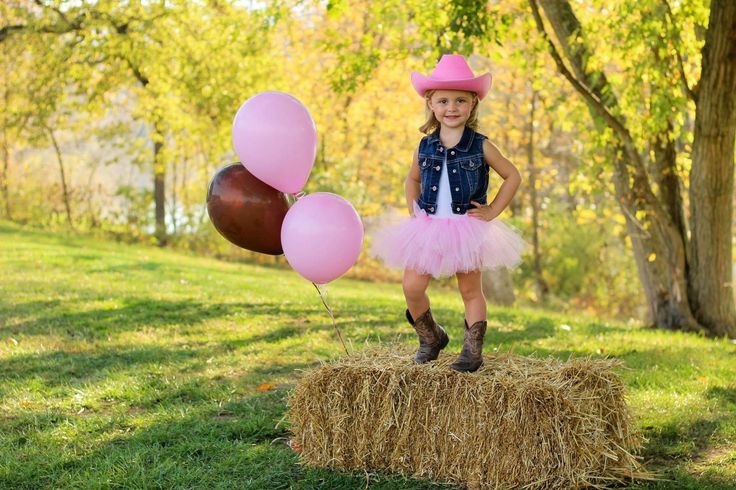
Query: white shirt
[{"x": 444, "y": 196}]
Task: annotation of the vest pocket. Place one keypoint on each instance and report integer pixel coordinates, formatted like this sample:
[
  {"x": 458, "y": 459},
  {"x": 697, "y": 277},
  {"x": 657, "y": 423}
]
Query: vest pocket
[{"x": 471, "y": 169}]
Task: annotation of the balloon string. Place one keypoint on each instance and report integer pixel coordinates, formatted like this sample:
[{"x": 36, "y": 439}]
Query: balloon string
[
  {"x": 297, "y": 196},
  {"x": 329, "y": 311}
]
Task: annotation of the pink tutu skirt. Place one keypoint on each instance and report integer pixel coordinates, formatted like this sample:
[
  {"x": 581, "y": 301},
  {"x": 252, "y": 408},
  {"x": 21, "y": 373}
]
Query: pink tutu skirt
[{"x": 443, "y": 246}]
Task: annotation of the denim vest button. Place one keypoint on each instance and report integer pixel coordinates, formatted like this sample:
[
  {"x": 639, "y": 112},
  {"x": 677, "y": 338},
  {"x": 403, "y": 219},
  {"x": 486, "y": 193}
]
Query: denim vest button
[
  {"x": 441, "y": 149},
  {"x": 437, "y": 168},
  {"x": 458, "y": 209},
  {"x": 434, "y": 187},
  {"x": 457, "y": 189},
  {"x": 454, "y": 170},
  {"x": 452, "y": 153},
  {"x": 431, "y": 209}
]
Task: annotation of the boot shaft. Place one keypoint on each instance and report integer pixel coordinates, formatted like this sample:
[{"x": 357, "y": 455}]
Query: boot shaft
[
  {"x": 471, "y": 357},
  {"x": 474, "y": 336},
  {"x": 425, "y": 326},
  {"x": 432, "y": 338}
]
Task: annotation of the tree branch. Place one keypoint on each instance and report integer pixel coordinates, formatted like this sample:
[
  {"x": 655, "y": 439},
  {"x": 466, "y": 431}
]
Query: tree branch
[
  {"x": 592, "y": 96},
  {"x": 589, "y": 96},
  {"x": 135, "y": 69},
  {"x": 62, "y": 27},
  {"x": 55, "y": 9},
  {"x": 8, "y": 30},
  {"x": 690, "y": 92}
]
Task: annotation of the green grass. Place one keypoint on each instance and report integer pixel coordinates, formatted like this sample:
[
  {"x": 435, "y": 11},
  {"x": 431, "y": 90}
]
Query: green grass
[{"x": 130, "y": 366}]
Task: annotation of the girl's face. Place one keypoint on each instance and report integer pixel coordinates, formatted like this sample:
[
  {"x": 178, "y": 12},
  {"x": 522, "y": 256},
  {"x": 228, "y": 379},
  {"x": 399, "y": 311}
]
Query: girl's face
[{"x": 451, "y": 107}]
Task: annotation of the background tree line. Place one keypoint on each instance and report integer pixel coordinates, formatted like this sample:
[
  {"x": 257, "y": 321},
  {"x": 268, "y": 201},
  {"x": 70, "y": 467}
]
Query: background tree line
[{"x": 621, "y": 116}]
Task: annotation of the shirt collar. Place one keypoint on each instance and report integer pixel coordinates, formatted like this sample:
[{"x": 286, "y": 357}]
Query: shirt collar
[{"x": 465, "y": 141}]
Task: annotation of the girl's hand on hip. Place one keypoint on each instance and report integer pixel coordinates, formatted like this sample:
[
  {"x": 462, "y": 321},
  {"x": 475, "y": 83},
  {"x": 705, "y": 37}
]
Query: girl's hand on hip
[{"x": 483, "y": 211}]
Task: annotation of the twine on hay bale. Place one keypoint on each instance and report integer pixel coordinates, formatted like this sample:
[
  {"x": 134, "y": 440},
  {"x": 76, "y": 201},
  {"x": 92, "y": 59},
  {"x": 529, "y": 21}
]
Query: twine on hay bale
[{"x": 519, "y": 422}]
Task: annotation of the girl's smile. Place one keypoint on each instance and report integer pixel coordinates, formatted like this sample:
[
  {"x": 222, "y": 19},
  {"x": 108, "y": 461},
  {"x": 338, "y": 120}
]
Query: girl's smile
[{"x": 451, "y": 107}]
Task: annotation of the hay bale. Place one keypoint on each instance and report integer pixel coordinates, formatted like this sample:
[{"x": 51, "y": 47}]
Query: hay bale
[{"x": 517, "y": 422}]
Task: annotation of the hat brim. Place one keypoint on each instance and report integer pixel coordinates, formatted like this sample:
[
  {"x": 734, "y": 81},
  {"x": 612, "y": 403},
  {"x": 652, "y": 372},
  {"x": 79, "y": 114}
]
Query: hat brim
[{"x": 480, "y": 85}]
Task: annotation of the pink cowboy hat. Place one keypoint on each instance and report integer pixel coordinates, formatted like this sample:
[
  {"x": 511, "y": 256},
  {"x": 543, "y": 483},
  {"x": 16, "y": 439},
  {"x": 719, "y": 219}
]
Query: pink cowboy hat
[{"x": 452, "y": 73}]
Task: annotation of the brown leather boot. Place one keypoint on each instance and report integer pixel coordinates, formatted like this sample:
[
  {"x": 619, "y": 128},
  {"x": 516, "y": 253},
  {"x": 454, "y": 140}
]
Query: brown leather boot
[
  {"x": 432, "y": 337},
  {"x": 471, "y": 357}
]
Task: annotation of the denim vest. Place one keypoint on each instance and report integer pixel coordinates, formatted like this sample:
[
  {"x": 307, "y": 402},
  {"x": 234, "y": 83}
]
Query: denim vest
[{"x": 466, "y": 171}]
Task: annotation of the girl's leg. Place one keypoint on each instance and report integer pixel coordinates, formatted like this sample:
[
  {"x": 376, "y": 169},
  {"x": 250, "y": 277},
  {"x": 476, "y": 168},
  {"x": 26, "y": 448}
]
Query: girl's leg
[
  {"x": 471, "y": 357},
  {"x": 432, "y": 338},
  {"x": 469, "y": 285},
  {"x": 415, "y": 292}
]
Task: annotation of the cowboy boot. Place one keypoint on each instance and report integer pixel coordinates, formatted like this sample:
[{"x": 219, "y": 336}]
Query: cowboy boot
[
  {"x": 432, "y": 337},
  {"x": 471, "y": 357}
]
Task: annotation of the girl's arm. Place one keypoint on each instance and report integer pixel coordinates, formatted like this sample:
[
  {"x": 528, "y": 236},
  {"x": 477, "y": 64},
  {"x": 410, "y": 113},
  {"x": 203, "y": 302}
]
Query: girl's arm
[
  {"x": 511, "y": 180},
  {"x": 412, "y": 185}
]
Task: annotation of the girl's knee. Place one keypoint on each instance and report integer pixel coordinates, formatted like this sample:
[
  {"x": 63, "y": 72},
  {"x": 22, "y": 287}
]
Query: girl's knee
[
  {"x": 470, "y": 290},
  {"x": 474, "y": 295},
  {"x": 414, "y": 287}
]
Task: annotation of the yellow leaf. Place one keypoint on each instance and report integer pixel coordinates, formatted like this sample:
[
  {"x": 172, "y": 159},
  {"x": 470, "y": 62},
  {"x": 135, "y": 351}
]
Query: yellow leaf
[
  {"x": 265, "y": 387},
  {"x": 651, "y": 257}
]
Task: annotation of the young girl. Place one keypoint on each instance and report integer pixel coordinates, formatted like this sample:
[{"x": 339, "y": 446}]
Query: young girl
[{"x": 452, "y": 229}]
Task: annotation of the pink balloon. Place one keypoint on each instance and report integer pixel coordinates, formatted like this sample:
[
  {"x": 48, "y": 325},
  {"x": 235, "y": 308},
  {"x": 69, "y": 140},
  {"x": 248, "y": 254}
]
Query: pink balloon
[
  {"x": 322, "y": 236},
  {"x": 276, "y": 139}
]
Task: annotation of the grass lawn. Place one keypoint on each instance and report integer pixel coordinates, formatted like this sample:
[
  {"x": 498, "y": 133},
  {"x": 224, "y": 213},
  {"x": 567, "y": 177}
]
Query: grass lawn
[{"x": 134, "y": 367}]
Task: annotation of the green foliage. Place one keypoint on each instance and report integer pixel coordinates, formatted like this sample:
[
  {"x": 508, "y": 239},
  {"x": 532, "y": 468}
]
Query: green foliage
[
  {"x": 134, "y": 216},
  {"x": 587, "y": 267},
  {"x": 159, "y": 55},
  {"x": 362, "y": 35},
  {"x": 121, "y": 76}
]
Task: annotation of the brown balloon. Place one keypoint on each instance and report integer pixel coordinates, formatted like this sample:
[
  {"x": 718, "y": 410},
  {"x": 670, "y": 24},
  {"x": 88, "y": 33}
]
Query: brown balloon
[{"x": 245, "y": 211}]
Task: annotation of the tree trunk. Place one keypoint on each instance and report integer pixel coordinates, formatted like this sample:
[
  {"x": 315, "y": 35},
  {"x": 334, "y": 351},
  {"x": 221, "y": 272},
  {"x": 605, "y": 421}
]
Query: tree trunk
[
  {"x": 509, "y": 147},
  {"x": 658, "y": 245},
  {"x": 665, "y": 170},
  {"x": 159, "y": 188},
  {"x": 159, "y": 166},
  {"x": 64, "y": 189},
  {"x": 659, "y": 254},
  {"x": 4, "y": 177},
  {"x": 174, "y": 198},
  {"x": 6, "y": 151},
  {"x": 542, "y": 287},
  {"x": 711, "y": 176},
  {"x": 498, "y": 286},
  {"x": 91, "y": 212}
]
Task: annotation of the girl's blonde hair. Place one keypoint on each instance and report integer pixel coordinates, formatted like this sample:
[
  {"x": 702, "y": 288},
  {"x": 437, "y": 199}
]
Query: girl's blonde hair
[{"x": 431, "y": 123}]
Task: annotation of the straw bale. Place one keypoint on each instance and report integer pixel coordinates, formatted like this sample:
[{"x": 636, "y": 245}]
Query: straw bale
[{"x": 518, "y": 422}]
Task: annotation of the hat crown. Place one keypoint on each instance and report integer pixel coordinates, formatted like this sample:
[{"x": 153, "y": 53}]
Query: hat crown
[
  {"x": 452, "y": 67},
  {"x": 452, "y": 72}
]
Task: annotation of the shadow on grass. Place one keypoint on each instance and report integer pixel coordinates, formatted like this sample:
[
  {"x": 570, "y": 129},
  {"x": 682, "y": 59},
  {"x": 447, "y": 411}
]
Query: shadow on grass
[
  {"x": 135, "y": 314},
  {"x": 681, "y": 441},
  {"x": 146, "y": 266},
  {"x": 724, "y": 394},
  {"x": 61, "y": 368},
  {"x": 240, "y": 444},
  {"x": 74, "y": 369},
  {"x": 671, "y": 449},
  {"x": 28, "y": 308}
]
